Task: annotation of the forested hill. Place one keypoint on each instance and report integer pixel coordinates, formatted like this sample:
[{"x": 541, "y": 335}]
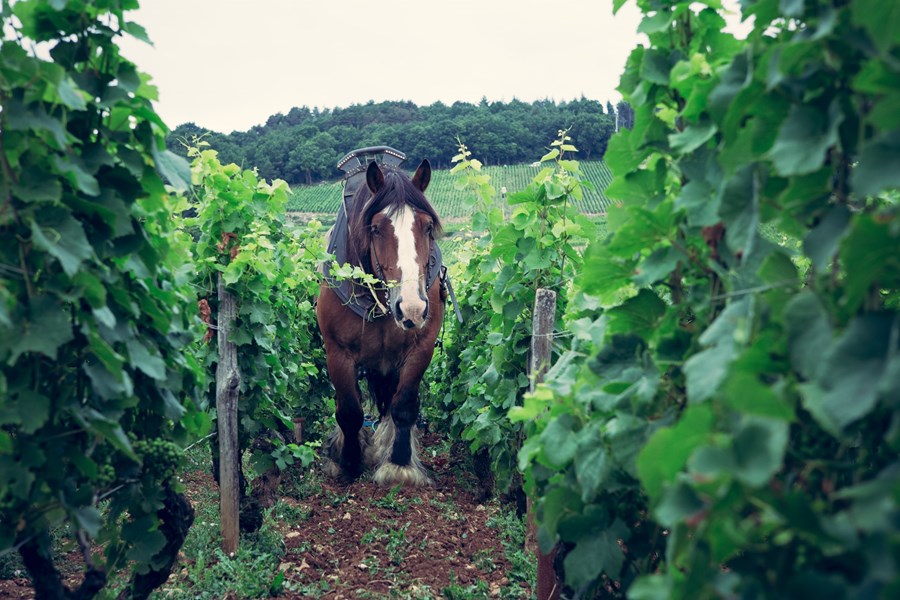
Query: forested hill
[{"x": 304, "y": 145}]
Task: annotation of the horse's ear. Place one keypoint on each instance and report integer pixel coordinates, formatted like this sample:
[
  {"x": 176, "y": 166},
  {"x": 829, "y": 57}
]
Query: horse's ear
[
  {"x": 423, "y": 176},
  {"x": 374, "y": 177}
]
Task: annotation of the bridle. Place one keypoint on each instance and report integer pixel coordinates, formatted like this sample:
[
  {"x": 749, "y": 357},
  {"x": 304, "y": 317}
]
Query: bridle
[{"x": 379, "y": 271}]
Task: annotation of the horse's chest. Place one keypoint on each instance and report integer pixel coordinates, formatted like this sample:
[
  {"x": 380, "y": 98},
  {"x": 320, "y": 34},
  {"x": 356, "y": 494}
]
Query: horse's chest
[{"x": 385, "y": 350}]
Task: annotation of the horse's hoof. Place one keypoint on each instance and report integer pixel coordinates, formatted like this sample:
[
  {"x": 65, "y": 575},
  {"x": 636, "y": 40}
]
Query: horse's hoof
[
  {"x": 331, "y": 468},
  {"x": 341, "y": 474},
  {"x": 391, "y": 474}
]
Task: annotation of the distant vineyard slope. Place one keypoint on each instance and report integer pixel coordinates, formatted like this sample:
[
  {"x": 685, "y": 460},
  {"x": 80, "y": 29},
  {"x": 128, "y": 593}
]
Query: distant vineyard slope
[{"x": 449, "y": 201}]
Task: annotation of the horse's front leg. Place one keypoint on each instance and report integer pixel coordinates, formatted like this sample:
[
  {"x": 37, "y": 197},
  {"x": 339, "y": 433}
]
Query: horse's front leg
[
  {"x": 396, "y": 444},
  {"x": 345, "y": 450}
]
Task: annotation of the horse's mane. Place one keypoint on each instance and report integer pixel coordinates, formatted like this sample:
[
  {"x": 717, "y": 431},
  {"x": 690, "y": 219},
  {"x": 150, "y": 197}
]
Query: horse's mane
[{"x": 398, "y": 191}]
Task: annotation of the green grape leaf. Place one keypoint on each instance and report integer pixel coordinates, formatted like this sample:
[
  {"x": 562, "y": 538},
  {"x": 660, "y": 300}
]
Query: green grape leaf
[
  {"x": 621, "y": 155},
  {"x": 881, "y": 20},
  {"x": 745, "y": 393},
  {"x": 592, "y": 465},
  {"x": 692, "y": 137},
  {"x": 78, "y": 175},
  {"x": 778, "y": 270},
  {"x": 70, "y": 94},
  {"x": 706, "y": 370},
  {"x": 655, "y": 66},
  {"x": 46, "y": 328},
  {"x": 597, "y": 554},
  {"x": 35, "y": 185},
  {"x": 759, "y": 450},
  {"x": 55, "y": 231},
  {"x": 638, "y": 315},
  {"x": 678, "y": 503},
  {"x": 853, "y": 367},
  {"x": 658, "y": 265},
  {"x": 739, "y": 210},
  {"x": 602, "y": 274},
  {"x": 651, "y": 587},
  {"x": 174, "y": 169},
  {"x": 804, "y": 138},
  {"x": 33, "y": 409},
  {"x": 821, "y": 244},
  {"x": 145, "y": 538},
  {"x": 143, "y": 359},
  {"x": 89, "y": 519},
  {"x": 668, "y": 449},
  {"x": 869, "y": 255},
  {"x": 808, "y": 333},
  {"x": 877, "y": 170},
  {"x": 560, "y": 442}
]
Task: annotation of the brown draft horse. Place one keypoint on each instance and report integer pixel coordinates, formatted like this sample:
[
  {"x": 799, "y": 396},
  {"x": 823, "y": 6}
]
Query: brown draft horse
[{"x": 391, "y": 228}]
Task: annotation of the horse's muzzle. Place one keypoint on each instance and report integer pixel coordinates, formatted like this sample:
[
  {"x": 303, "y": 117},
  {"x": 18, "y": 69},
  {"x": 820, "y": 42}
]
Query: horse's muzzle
[{"x": 410, "y": 315}]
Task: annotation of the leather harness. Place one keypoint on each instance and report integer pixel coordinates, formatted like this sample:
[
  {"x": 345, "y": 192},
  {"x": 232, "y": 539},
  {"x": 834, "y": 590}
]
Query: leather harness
[{"x": 358, "y": 297}]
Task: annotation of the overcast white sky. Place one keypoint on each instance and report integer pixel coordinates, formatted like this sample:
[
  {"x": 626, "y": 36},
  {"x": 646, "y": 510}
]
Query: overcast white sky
[{"x": 229, "y": 64}]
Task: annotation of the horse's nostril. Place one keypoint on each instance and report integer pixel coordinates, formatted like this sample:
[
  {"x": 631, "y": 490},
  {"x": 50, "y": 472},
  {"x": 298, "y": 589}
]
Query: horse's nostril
[
  {"x": 397, "y": 310},
  {"x": 408, "y": 324},
  {"x": 425, "y": 312}
]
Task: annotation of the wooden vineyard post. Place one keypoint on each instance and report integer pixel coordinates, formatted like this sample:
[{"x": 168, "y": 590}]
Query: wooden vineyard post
[
  {"x": 542, "y": 334},
  {"x": 548, "y": 587},
  {"x": 228, "y": 384}
]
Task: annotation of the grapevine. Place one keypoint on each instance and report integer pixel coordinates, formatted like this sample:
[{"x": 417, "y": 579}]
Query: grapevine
[
  {"x": 93, "y": 333},
  {"x": 451, "y": 201},
  {"x": 698, "y": 438}
]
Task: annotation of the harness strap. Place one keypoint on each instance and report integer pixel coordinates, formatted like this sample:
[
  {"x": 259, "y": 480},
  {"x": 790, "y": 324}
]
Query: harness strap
[
  {"x": 379, "y": 273},
  {"x": 445, "y": 281}
]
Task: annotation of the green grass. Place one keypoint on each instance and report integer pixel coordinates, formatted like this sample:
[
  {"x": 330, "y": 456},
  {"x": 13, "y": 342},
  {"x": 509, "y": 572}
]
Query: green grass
[
  {"x": 512, "y": 531},
  {"x": 450, "y": 202},
  {"x": 455, "y": 591},
  {"x": 205, "y": 571},
  {"x": 393, "y": 540}
]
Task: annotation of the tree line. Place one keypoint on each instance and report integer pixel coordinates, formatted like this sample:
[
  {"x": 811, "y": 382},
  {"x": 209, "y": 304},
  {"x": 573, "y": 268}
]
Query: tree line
[{"x": 303, "y": 145}]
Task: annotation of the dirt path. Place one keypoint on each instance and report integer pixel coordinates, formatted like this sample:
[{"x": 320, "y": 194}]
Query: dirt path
[
  {"x": 326, "y": 540},
  {"x": 365, "y": 541}
]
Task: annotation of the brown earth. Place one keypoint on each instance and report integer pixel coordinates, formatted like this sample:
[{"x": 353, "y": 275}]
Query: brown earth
[{"x": 366, "y": 541}]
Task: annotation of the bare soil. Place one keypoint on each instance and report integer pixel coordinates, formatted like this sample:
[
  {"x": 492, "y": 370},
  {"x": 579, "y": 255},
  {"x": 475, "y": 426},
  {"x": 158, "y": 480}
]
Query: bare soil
[{"x": 362, "y": 540}]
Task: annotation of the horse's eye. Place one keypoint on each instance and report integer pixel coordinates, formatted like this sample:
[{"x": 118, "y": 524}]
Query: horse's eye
[
  {"x": 429, "y": 230},
  {"x": 375, "y": 231}
]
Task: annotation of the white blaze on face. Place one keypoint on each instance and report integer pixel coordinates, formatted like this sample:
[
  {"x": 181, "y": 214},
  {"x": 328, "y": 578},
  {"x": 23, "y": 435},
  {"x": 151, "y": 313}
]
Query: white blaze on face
[{"x": 412, "y": 306}]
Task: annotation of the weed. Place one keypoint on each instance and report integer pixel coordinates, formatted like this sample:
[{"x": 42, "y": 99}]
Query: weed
[
  {"x": 394, "y": 541},
  {"x": 450, "y": 510},
  {"x": 455, "y": 591},
  {"x": 289, "y": 512},
  {"x": 336, "y": 499},
  {"x": 512, "y": 535},
  {"x": 442, "y": 447},
  {"x": 247, "y": 574},
  {"x": 484, "y": 561},
  {"x": 396, "y": 545},
  {"x": 391, "y": 501},
  {"x": 252, "y": 572},
  {"x": 300, "y": 483},
  {"x": 11, "y": 565},
  {"x": 315, "y": 589},
  {"x": 413, "y": 592}
]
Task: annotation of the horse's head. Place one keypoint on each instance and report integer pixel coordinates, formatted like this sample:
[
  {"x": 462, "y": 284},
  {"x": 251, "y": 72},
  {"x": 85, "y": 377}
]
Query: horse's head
[{"x": 396, "y": 229}]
